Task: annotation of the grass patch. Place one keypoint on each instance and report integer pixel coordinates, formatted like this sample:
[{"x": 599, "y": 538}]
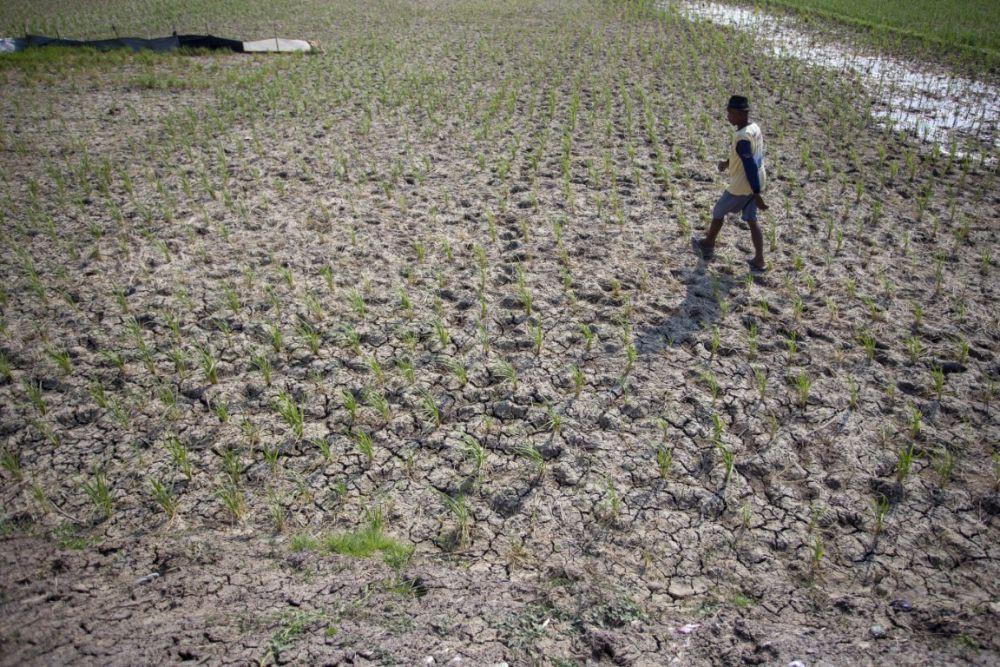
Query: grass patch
[{"x": 359, "y": 544}]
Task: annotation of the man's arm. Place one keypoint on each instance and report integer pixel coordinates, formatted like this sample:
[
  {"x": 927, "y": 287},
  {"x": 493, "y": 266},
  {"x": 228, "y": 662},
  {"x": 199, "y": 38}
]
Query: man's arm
[{"x": 745, "y": 152}]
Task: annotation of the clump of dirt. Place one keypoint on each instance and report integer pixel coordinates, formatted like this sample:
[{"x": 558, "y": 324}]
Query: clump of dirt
[{"x": 399, "y": 353}]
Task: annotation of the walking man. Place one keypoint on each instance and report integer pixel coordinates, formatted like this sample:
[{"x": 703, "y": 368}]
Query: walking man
[{"x": 747, "y": 179}]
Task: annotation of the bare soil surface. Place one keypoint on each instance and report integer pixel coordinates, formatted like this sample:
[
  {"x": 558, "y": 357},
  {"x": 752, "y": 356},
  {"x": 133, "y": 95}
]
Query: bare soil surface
[{"x": 433, "y": 289}]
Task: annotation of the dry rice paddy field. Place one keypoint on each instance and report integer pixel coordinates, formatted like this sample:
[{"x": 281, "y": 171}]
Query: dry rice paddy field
[{"x": 398, "y": 353}]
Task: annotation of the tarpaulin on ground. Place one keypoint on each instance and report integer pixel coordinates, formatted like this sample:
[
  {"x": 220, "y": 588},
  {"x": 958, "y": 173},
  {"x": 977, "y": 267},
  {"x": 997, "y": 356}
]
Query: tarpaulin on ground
[{"x": 160, "y": 44}]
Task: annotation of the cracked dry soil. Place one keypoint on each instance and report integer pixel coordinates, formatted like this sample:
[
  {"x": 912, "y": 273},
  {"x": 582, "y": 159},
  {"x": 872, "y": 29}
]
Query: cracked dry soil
[{"x": 456, "y": 242}]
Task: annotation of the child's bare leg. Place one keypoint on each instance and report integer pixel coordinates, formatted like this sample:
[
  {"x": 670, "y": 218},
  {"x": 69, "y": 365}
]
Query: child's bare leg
[{"x": 757, "y": 238}]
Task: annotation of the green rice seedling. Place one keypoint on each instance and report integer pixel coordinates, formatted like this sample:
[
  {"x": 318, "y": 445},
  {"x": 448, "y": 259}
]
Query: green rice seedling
[
  {"x": 352, "y": 340},
  {"x": 10, "y": 462},
  {"x": 314, "y": 306},
  {"x": 232, "y": 467},
  {"x": 753, "y": 336},
  {"x": 365, "y": 445},
  {"x": 259, "y": 361},
  {"x": 760, "y": 380},
  {"x": 588, "y": 336},
  {"x": 169, "y": 396},
  {"x": 420, "y": 250},
  {"x": 47, "y": 431},
  {"x": 286, "y": 274},
  {"x": 409, "y": 338},
  {"x": 251, "y": 431},
  {"x": 98, "y": 393},
  {"x": 537, "y": 333},
  {"x": 310, "y": 336},
  {"x": 99, "y": 492},
  {"x": 271, "y": 453},
  {"x": 937, "y": 381},
  {"x": 880, "y": 508},
  {"x": 579, "y": 379},
  {"x": 555, "y": 420},
  {"x": 120, "y": 413},
  {"x": 717, "y": 428},
  {"x": 232, "y": 299},
  {"x": 818, "y": 552},
  {"x": 442, "y": 333},
  {"x": 664, "y": 459},
  {"x": 209, "y": 364},
  {"x": 179, "y": 456},
  {"x": 180, "y": 361},
  {"x": 484, "y": 336},
  {"x": 914, "y": 348},
  {"x": 164, "y": 497},
  {"x": 797, "y": 308},
  {"x": 918, "y": 314},
  {"x": 458, "y": 369},
  {"x": 33, "y": 390},
  {"x": 715, "y": 341},
  {"x": 611, "y": 507},
  {"x": 350, "y": 403},
  {"x": 377, "y": 400},
  {"x": 791, "y": 343},
  {"x": 664, "y": 425},
  {"x": 916, "y": 417},
  {"x": 802, "y": 385},
  {"x": 327, "y": 274},
  {"x": 523, "y": 293},
  {"x": 62, "y": 359},
  {"x": 631, "y": 354},
  {"x": 407, "y": 369},
  {"x": 711, "y": 382},
  {"x": 869, "y": 344},
  {"x": 962, "y": 351},
  {"x": 728, "y": 460},
  {"x": 475, "y": 452},
  {"x": 233, "y": 501},
  {"x": 463, "y": 519},
  {"x": 507, "y": 371},
  {"x": 904, "y": 462},
  {"x": 291, "y": 413},
  {"x": 854, "y": 390},
  {"x": 6, "y": 371},
  {"x": 429, "y": 408},
  {"x": 221, "y": 410},
  {"x": 323, "y": 445},
  {"x": 276, "y": 510},
  {"x": 357, "y": 302},
  {"x": 276, "y": 338},
  {"x": 996, "y": 470},
  {"x": 376, "y": 368},
  {"x": 944, "y": 466},
  {"x": 530, "y": 452},
  {"x": 405, "y": 303}
]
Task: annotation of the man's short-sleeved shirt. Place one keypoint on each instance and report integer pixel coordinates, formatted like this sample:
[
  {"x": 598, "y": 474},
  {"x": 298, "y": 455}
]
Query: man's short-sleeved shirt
[{"x": 738, "y": 183}]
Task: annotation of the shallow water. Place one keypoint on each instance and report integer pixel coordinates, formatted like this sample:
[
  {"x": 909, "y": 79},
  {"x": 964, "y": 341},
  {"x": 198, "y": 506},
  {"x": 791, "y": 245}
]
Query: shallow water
[{"x": 929, "y": 102}]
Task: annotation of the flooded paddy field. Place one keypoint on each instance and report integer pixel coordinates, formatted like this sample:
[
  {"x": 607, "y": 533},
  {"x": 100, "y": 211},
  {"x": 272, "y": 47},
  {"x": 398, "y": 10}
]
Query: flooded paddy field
[{"x": 398, "y": 352}]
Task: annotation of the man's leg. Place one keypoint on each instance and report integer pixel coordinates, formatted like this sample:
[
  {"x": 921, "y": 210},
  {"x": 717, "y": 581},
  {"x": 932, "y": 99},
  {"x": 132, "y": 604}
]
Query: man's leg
[
  {"x": 723, "y": 206},
  {"x": 757, "y": 238},
  {"x": 713, "y": 231}
]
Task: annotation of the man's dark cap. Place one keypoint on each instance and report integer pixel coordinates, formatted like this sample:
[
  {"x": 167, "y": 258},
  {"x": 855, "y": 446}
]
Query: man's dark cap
[{"x": 738, "y": 103}]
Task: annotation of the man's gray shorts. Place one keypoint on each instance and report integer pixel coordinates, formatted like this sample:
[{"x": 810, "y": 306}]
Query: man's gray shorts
[{"x": 730, "y": 203}]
